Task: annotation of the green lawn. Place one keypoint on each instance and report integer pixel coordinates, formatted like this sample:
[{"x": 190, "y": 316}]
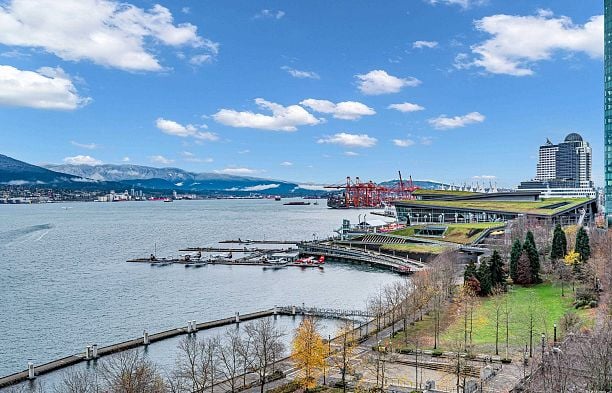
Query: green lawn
[
  {"x": 548, "y": 306},
  {"x": 533, "y": 207},
  {"x": 456, "y": 233},
  {"x": 544, "y": 299},
  {"x": 415, "y": 247}
]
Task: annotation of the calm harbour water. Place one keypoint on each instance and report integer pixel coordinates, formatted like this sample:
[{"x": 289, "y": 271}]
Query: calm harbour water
[{"x": 65, "y": 282}]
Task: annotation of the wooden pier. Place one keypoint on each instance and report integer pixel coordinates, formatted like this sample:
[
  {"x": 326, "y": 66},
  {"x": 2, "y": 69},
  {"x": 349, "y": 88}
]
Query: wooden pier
[
  {"x": 249, "y": 241},
  {"x": 146, "y": 339}
]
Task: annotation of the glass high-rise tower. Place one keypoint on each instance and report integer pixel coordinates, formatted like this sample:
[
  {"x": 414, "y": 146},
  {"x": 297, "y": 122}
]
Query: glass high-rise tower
[{"x": 608, "y": 107}]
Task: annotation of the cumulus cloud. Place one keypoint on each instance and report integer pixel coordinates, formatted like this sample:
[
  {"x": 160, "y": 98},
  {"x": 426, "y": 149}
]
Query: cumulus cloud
[
  {"x": 283, "y": 118},
  {"x": 347, "y": 110},
  {"x": 352, "y": 140},
  {"x": 406, "y": 107},
  {"x": 160, "y": 160},
  {"x": 443, "y": 122},
  {"x": 172, "y": 127},
  {"x": 462, "y": 3},
  {"x": 518, "y": 42},
  {"x": 46, "y": 88},
  {"x": 380, "y": 82},
  {"x": 403, "y": 142},
  {"x": 300, "y": 74},
  {"x": 89, "y": 146},
  {"x": 106, "y": 32},
  {"x": 424, "y": 44},
  {"x": 286, "y": 163},
  {"x": 269, "y": 14},
  {"x": 240, "y": 171},
  {"x": 82, "y": 160}
]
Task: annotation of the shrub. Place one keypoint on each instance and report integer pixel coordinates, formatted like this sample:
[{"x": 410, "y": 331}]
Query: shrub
[
  {"x": 593, "y": 303},
  {"x": 436, "y": 353},
  {"x": 506, "y": 361}
]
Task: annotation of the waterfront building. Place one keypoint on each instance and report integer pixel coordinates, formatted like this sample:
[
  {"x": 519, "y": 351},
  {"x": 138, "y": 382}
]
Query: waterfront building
[
  {"x": 608, "y": 107},
  {"x": 564, "y": 170},
  {"x": 455, "y": 207}
]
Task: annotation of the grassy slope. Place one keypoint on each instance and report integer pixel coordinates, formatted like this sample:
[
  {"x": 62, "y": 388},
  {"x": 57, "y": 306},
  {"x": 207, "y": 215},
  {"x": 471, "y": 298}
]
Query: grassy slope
[
  {"x": 456, "y": 233},
  {"x": 516, "y": 207},
  {"x": 415, "y": 247}
]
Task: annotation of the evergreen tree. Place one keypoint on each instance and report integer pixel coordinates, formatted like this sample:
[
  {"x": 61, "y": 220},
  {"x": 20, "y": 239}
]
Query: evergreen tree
[
  {"x": 498, "y": 275},
  {"x": 534, "y": 258},
  {"x": 484, "y": 277},
  {"x": 559, "y": 244},
  {"x": 582, "y": 244},
  {"x": 515, "y": 254},
  {"x": 524, "y": 270},
  {"x": 470, "y": 271}
]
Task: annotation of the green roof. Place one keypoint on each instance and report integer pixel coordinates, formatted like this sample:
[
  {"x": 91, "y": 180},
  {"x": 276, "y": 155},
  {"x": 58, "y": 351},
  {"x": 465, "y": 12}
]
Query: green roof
[
  {"x": 461, "y": 233},
  {"x": 421, "y": 191},
  {"x": 545, "y": 207}
]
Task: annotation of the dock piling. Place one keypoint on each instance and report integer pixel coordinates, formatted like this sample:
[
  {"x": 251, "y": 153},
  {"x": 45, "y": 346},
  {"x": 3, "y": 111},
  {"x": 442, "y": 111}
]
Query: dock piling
[
  {"x": 88, "y": 352},
  {"x": 94, "y": 351},
  {"x": 31, "y": 373},
  {"x": 237, "y": 317},
  {"x": 145, "y": 338},
  {"x": 275, "y": 311},
  {"x": 292, "y": 310},
  {"x": 194, "y": 326},
  {"x": 188, "y": 327}
]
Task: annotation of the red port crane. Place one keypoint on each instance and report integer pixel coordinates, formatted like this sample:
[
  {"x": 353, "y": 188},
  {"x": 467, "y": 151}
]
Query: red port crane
[{"x": 356, "y": 194}]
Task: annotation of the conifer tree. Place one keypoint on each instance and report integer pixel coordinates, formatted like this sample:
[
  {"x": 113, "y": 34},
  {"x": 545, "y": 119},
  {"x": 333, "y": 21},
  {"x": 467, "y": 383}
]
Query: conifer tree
[
  {"x": 524, "y": 269},
  {"x": 470, "y": 271},
  {"x": 559, "y": 244},
  {"x": 515, "y": 254},
  {"x": 498, "y": 275},
  {"x": 534, "y": 258},
  {"x": 484, "y": 277},
  {"x": 582, "y": 244}
]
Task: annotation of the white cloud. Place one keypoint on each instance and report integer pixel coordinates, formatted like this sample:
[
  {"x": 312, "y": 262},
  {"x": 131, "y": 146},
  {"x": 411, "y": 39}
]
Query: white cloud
[
  {"x": 47, "y": 88},
  {"x": 520, "y": 41},
  {"x": 245, "y": 151},
  {"x": 300, "y": 74},
  {"x": 380, "y": 82},
  {"x": 312, "y": 187},
  {"x": 346, "y": 110},
  {"x": 126, "y": 159},
  {"x": 403, "y": 142},
  {"x": 269, "y": 14},
  {"x": 261, "y": 187},
  {"x": 106, "y": 32},
  {"x": 406, "y": 107},
  {"x": 351, "y": 154},
  {"x": 443, "y": 122},
  {"x": 286, "y": 163},
  {"x": 82, "y": 160},
  {"x": 190, "y": 157},
  {"x": 462, "y": 3},
  {"x": 353, "y": 140},
  {"x": 90, "y": 146},
  {"x": 424, "y": 44},
  {"x": 171, "y": 127},
  {"x": 240, "y": 171},
  {"x": 426, "y": 140},
  {"x": 283, "y": 118},
  {"x": 200, "y": 59},
  {"x": 161, "y": 160},
  {"x": 485, "y": 177}
]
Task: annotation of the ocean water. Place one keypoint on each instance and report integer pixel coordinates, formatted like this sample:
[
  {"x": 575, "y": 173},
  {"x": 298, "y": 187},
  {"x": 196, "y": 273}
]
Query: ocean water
[{"x": 64, "y": 282}]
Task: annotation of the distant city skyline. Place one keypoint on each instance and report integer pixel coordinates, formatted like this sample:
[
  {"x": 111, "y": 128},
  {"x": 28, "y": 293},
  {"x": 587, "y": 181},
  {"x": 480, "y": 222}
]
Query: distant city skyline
[{"x": 453, "y": 91}]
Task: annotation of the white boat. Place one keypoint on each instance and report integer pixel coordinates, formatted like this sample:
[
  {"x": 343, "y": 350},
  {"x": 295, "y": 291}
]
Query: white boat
[{"x": 276, "y": 263}]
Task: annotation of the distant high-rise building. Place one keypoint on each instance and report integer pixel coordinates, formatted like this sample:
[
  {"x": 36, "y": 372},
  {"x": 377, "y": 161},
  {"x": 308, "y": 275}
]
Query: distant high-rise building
[
  {"x": 608, "y": 106},
  {"x": 564, "y": 169}
]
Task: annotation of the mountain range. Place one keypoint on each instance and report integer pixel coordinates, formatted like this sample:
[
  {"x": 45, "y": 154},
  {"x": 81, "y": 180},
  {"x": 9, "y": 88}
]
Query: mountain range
[{"x": 119, "y": 177}]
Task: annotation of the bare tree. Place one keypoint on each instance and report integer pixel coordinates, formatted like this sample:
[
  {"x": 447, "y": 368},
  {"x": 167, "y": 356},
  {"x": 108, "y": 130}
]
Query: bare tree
[
  {"x": 77, "y": 381},
  {"x": 130, "y": 372},
  {"x": 230, "y": 358},
  {"x": 196, "y": 363},
  {"x": 267, "y": 346},
  {"x": 341, "y": 358}
]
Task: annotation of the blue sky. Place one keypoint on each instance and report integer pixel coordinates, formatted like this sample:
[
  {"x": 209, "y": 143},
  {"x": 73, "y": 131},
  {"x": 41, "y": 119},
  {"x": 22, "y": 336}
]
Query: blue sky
[{"x": 311, "y": 91}]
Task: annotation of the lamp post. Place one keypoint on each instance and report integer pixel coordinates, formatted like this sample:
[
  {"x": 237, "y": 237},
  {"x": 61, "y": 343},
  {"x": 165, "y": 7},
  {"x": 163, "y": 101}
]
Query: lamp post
[{"x": 555, "y": 334}]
